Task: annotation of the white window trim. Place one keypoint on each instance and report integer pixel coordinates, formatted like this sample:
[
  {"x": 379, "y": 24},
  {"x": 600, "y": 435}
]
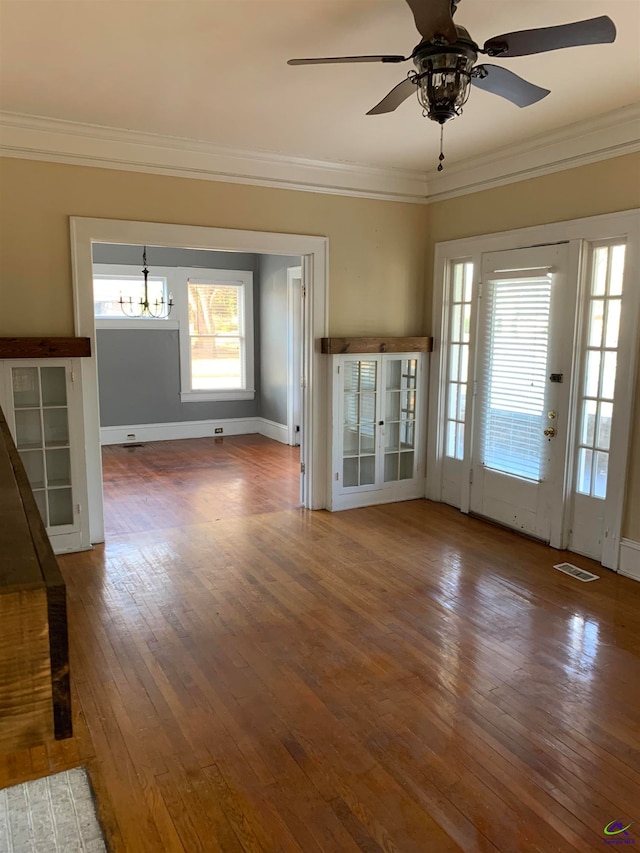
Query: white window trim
[
  {"x": 124, "y": 322},
  {"x": 241, "y": 278}
]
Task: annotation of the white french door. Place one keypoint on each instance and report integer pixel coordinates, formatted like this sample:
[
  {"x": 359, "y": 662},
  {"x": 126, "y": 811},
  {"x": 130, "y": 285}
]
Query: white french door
[
  {"x": 530, "y": 340},
  {"x": 521, "y": 394},
  {"x": 600, "y": 401}
]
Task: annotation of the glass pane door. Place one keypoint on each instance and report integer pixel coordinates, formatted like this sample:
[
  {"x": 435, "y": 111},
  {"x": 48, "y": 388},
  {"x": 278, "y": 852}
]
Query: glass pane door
[
  {"x": 599, "y": 373},
  {"x": 42, "y": 438},
  {"x": 523, "y": 367},
  {"x": 401, "y": 376},
  {"x": 359, "y": 423}
]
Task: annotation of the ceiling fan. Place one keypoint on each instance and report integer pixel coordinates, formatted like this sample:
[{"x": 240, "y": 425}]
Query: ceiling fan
[{"x": 445, "y": 60}]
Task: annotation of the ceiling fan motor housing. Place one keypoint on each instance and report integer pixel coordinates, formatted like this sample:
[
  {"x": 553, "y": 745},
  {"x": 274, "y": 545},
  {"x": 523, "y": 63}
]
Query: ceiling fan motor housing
[{"x": 444, "y": 75}]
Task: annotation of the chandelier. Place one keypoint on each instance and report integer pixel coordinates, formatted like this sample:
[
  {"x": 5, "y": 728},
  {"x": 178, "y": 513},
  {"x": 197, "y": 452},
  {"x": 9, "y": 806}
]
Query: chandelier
[{"x": 158, "y": 309}]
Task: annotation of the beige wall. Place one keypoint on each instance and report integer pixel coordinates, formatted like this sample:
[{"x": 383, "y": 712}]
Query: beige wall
[
  {"x": 605, "y": 187},
  {"x": 376, "y": 248}
]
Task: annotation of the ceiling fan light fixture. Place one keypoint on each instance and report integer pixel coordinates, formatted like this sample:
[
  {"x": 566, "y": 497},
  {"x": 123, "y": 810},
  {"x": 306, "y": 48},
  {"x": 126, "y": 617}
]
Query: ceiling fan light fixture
[{"x": 444, "y": 82}]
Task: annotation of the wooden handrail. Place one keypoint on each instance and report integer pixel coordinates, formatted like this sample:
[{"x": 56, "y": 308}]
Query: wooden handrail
[{"x": 35, "y": 697}]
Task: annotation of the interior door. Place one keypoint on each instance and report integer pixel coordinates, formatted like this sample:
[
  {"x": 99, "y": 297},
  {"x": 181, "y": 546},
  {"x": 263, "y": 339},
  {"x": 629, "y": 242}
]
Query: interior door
[{"x": 521, "y": 393}]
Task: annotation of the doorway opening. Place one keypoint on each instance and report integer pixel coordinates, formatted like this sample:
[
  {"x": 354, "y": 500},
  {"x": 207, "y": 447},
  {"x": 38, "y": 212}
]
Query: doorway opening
[
  {"x": 216, "y": 365},
  {"x": 273, "y": 255}
]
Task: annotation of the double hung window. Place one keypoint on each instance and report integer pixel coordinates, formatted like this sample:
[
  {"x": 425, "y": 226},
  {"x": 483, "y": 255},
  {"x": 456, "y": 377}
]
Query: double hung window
[{"x": 216, "y": 336}]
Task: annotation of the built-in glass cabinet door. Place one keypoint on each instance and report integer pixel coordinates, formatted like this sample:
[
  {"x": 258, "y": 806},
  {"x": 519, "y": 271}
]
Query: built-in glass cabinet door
[
  {"x": 359, "y": 423},
  {"x": 41, "y": 418},
  {"x": 400, "y": 418},
  {"x": 376, "y": 404}
]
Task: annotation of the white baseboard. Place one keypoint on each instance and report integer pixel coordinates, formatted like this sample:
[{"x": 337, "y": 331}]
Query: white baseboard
[
  {"x": 135, "y": 433},
  {"x": 182, "y": 429},
  {"x": 630, "y": 559},
  {"x": 271, "y": 429}
]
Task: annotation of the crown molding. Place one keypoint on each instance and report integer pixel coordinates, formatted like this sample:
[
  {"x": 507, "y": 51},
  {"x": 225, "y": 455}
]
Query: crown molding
[
  {"x": 38, "y": 138},
  {"x": 589, "y": 141},
  {"x": 32, "y": 137}
]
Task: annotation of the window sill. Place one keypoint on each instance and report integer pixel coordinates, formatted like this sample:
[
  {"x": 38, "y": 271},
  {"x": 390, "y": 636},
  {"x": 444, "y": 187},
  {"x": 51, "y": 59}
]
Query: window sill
[{"x": 216, "y": 396}]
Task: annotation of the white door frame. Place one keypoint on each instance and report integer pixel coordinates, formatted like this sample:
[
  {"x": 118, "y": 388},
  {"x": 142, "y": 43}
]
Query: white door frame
[
  {"x": 624, "y": 224},
  {"x": 294, "y": 344},
  {"x": 314, "y": 252}
]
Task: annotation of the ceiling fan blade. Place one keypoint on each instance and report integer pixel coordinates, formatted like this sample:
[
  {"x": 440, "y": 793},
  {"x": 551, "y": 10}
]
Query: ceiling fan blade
[
  {"x": 501, "y": 81},
  {"x": 434, "y": 18},
  {"x": 325, "y": 60},
  {"x": 396, "y": 96},
  {"x": 600, "y": 30}
]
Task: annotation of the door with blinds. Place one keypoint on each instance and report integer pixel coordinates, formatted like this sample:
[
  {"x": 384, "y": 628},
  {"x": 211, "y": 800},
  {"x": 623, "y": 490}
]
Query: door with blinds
[{"x": 523, "y": 369}]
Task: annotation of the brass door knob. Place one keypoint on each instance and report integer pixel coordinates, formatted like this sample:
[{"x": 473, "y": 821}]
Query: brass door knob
[{"x": 550, "y": 432}]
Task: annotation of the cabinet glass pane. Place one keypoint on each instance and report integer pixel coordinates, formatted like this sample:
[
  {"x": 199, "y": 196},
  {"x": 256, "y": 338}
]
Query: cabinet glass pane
[
  {"x": 58, "y": 467},
  {"x": 392, "y": 408},
  {"x": 26, "y": 387},
  {"x": 28, "y": 428},
  {"x": 367, "y": 439},
  {"x": 56, "y": 427},
  {"x": 409, "y": 373},
  {"x": 54, "y": 386},
  {"x": 407, "y": 435},
  {"x": 60, "y": 507},
  {"x": 408, "y": 404},
  {"x": 350, "y": 442},
  {"x": 34, "y": 467},
  {"x": 394, "y": 374},
  {"x": 350, "y": 472},
  {"x": 407, "y": 465},
  {"x": 351, "y": 373},
  {"x": 367, "y": 414},
  {"x": 350, "y": 409},
  {"x": 41, "y": 503},
  {"x": 368, "y": 375},
  {"x": 367, "y": 470},
  {"x": 391, "y": 462},
  {"x": 391, "y": 436}
]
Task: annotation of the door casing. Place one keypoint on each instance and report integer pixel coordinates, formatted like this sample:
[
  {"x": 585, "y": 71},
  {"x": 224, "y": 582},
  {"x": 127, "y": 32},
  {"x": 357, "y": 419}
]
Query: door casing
[{"x": 314, "y": 252}]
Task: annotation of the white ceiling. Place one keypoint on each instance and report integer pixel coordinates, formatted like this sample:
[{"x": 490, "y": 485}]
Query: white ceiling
[{"x": 215, "y": 71}]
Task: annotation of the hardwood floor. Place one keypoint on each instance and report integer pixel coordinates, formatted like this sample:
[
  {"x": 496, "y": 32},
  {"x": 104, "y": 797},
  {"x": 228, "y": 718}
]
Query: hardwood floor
[
  {"x": 161, "y": 484},
  {"x": 249, "y": 676}
]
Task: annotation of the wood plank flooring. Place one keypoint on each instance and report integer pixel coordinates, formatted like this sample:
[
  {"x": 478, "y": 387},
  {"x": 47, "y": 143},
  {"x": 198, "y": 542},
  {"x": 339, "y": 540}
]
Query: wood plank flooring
[{"x": 251, "y": 676}]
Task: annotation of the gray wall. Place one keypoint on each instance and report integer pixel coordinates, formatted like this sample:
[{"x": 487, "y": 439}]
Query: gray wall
[
  {"x": 161, "y": 256},
  {"x": 139, "y": 381},
  {"x": 139, "y": 369},
  {"x": 273, "y": 335}
]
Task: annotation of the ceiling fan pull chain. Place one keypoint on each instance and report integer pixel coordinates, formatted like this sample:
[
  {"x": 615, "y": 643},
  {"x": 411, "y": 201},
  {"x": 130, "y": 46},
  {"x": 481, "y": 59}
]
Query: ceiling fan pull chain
[{"x": 441, "y": 157}]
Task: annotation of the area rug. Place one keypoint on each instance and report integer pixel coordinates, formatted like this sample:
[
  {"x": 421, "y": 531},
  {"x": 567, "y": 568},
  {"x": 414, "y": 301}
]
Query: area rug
[{"x": 51, "y": 815}]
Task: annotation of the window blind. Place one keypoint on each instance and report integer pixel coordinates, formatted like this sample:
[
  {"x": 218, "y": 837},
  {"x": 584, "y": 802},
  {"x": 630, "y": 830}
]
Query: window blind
[{"x": 514, "y": 378}]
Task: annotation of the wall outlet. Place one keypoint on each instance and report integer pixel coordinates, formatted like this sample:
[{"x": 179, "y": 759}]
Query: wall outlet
[{"x": 218, "y": 430}]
